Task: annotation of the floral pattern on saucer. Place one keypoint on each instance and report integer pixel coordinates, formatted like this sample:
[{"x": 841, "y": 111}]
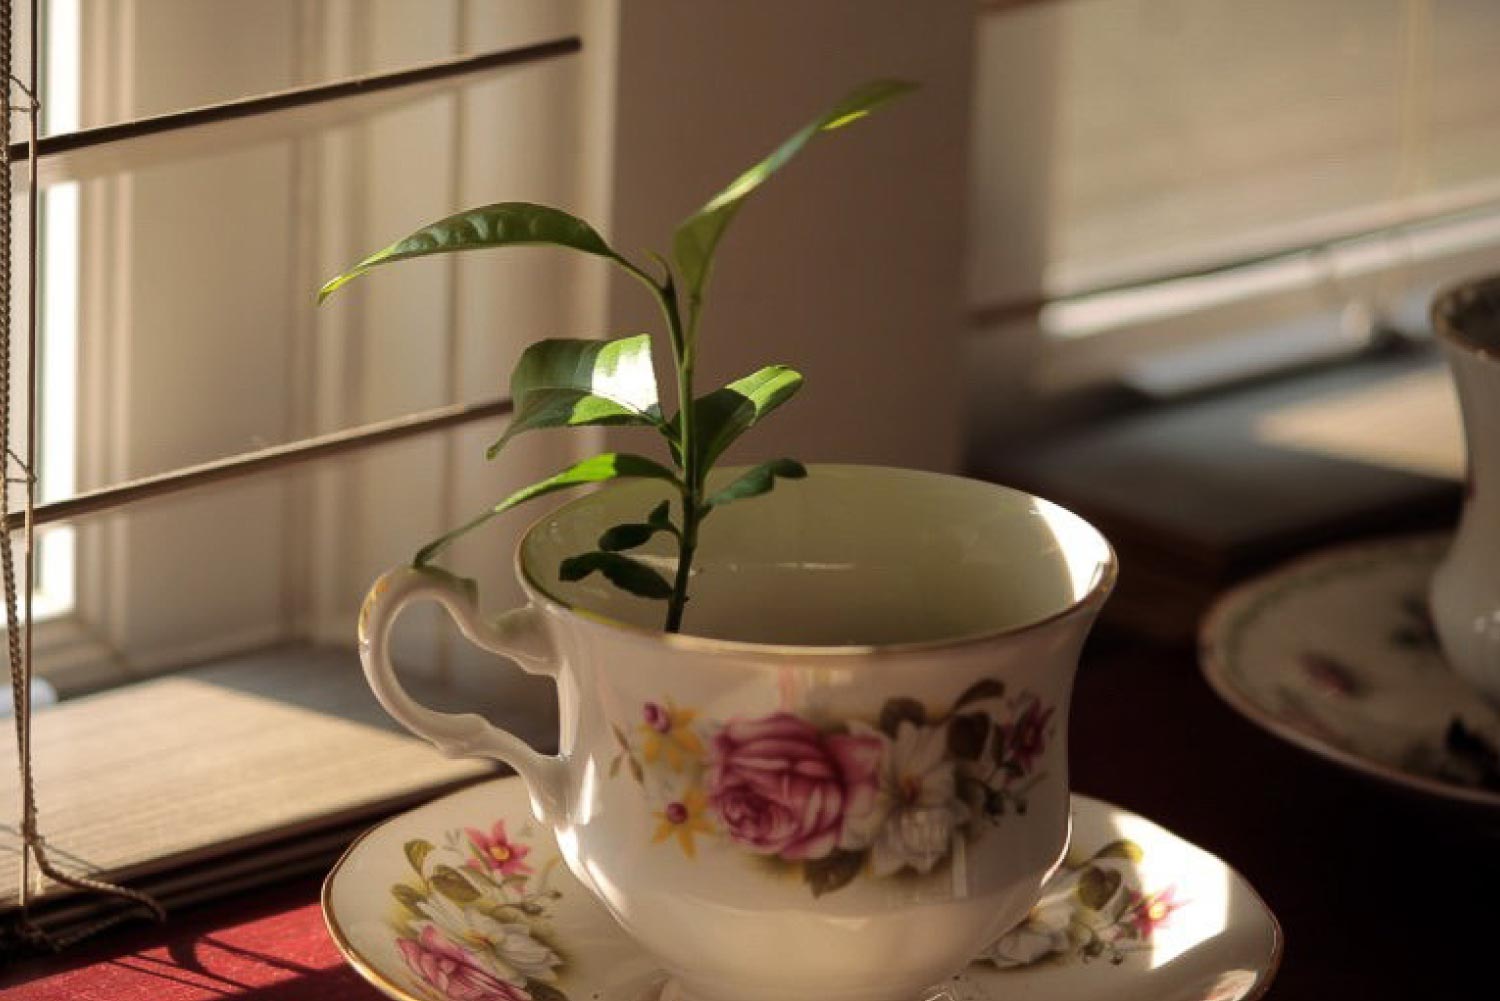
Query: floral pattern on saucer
[
  {"x": 472, "y": 920},
  {"x": 1336, "y": 653},
  {"x": 466, "y": 899},
  {"x": 1093, "y": 908},
  {"x": 837, "y": 801}
]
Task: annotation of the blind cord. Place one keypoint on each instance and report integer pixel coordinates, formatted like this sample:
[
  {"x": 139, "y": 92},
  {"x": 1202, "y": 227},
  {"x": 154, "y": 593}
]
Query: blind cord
[{"x": 18, "y": 630}]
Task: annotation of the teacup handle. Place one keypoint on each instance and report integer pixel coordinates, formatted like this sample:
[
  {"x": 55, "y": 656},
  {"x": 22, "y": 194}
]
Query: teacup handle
[{"x": 518, "y": 634}]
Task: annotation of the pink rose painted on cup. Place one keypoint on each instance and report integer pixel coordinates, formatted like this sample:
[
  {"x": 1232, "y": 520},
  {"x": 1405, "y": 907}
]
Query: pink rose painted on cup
[
  {"x": 781, "y": 787},
  {"x": 452, "y": 971}
]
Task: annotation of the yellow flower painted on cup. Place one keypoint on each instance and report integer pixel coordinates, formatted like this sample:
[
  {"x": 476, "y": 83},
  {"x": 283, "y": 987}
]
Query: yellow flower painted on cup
[
  {"x": 669, "y": 735},
  {"x": 683, "y": 818}
]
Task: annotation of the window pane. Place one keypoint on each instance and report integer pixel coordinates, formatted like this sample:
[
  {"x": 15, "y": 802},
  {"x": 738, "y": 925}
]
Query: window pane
[
  {"x": 199, "y": 333},
  {"x": 1151, "y": 135},
  {"x": 153, "y": 57}
]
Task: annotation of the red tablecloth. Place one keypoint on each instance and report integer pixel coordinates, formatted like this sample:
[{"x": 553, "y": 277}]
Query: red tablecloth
[{"x": 275, "y": 950}]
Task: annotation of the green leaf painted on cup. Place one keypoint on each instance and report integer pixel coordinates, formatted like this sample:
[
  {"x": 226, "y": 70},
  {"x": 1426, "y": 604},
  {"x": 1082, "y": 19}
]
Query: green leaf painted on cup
[
  {"x": 966, "y": 735},
  {"x": 900, "y": 710},
  {"x": 832, "y": 872},
  {"x": 985, "y": 688}
]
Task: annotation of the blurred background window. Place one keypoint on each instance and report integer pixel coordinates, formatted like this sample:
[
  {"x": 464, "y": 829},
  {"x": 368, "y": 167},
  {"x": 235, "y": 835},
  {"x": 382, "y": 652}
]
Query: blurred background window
[{"x": 1154, "y": 173}]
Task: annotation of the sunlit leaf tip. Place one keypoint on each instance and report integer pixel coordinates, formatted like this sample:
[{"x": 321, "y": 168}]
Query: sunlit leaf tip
[{"x": 503, "y": 224}]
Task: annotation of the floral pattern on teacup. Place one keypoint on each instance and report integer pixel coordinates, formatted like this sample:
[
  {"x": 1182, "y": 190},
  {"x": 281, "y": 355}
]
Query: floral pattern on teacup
[
  {"x": 841, "y": 799},
  {"x": 474, "y": 921},
  {"x": 1091, "y": 909}
]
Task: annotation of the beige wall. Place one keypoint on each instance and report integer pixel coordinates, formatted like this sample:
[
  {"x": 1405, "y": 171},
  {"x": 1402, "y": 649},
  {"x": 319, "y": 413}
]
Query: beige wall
[{"x": 848, "y": 266}]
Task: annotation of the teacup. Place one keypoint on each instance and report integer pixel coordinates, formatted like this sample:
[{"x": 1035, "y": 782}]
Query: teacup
[
  {"x": 1465, "y": 594},
  {"x": 849, "y": 775}
]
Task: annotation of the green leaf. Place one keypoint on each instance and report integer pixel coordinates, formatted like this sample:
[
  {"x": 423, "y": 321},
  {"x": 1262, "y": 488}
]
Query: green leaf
[
  {"x": 661, "y": 517},
  {"x": 832, "y": 872},
  {"x": 569, "y": 383},
  {"x": 985, "y": 688},
  {"x": 507, "y": 224},
  {"x": 697, "y": 238},
  {"x": 1096, "y": 886},
  {"x": 622, "y": 571},
  {"x": 757, "y": 481},
  {"x": 725, "y": 414},
  {"x": 596, "y": 469},
  {"x": 900, "y": 710},
  {"x": 417, "y": 852},
  {"x": 447, "y": 881}
]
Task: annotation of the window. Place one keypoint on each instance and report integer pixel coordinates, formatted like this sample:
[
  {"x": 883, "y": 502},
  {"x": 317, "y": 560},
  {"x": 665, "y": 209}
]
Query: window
[
  {"x": 177, "y": 326},
  {"x": 1159, "y": 173},
  {"x": 210, "y": 630}
]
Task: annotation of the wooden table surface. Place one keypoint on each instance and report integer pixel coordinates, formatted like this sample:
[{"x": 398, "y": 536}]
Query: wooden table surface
[{"x": 1381, "y": 897}]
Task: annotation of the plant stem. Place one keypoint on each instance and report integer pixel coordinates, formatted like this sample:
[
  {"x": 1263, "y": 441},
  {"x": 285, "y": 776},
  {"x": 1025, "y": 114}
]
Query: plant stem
[{"x": 692, "y": 477}]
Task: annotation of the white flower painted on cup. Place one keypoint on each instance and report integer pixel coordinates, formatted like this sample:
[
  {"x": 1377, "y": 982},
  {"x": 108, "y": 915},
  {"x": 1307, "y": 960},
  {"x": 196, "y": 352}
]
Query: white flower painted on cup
[{"x": 917, "y": 811}]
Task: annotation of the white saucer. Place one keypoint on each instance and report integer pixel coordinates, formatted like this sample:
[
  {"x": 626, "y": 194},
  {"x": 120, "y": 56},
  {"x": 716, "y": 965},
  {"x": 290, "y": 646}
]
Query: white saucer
[
  {"x": 1334, "y": 653},
  {"x": 1136, "y": 914}
]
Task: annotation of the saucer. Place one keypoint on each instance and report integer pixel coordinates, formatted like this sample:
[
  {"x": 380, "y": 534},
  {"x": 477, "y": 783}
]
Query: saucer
[
  {"x": 467, "y": 898},
  {"x": 1335, "y": 653}
]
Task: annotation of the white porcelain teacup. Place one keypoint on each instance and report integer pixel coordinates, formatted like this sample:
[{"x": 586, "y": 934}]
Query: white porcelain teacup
[
  {"x": 850, "y": 775},
  {"x": 1465, "y": 595}
]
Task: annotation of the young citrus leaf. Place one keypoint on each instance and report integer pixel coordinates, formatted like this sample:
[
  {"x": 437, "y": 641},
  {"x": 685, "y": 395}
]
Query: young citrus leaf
[
  {"x": 507, "y": 224},
  {"x": 725, "y": 414},
  {"x": 696, "y": 239},
  {"x": 622, "y": 571},
  {"x": 597, "y": 469},
  {"x": 760, "y": 480},
  {"x": 566, "y": 383}
]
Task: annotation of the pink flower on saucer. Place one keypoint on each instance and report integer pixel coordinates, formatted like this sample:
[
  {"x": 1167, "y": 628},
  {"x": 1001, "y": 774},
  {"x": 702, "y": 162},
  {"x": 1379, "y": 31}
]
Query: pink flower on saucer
[
  {"x": 1148, "y": 913},
  {"x": 454, "y": 972},
  {"x": 495, "y": 852},
  {"x": 781, "y": 787}
]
